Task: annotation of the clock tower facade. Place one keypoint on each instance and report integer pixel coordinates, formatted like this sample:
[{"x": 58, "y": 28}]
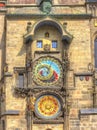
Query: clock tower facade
[{"x": 48, "y": 65}]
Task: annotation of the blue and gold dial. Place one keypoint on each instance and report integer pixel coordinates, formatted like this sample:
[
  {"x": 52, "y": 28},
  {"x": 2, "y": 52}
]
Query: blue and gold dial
[{"x": 47, "y": 71}]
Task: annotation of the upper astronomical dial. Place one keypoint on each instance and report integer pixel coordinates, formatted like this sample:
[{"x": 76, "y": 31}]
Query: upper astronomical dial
[{"x": 47, "y": 71}]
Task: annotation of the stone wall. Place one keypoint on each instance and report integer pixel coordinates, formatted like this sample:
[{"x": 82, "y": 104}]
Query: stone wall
[
  {"x": 16, "y": 122},
  {"x": 80, "y": 95},
  {"x": 80, "y": 51},
  {"x": 77, "y": 52},
  {"x": 88, "y": 122},
  {"x": 15, "y": 48},
  {"x": 85, "y": 122}
]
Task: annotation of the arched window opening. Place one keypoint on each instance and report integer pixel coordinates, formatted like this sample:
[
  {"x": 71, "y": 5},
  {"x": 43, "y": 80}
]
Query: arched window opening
[{"x": 95, "y": 52}]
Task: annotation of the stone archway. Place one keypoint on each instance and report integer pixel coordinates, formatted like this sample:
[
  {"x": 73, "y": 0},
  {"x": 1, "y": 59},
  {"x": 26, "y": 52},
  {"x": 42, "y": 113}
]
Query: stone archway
[{"x": 48, "y": 21}]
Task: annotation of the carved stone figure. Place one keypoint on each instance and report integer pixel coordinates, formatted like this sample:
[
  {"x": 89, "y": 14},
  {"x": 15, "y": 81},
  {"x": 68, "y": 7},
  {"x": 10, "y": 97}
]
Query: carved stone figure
[{"x": 45, "y": 6}]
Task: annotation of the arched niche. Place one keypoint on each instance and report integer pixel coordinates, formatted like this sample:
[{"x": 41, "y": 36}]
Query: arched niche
[
  {"x": 59, "y": 35},
  {"x": 51, "y": 22}
]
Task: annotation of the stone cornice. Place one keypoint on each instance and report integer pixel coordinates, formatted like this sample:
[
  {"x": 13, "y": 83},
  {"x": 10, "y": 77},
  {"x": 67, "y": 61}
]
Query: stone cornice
[
  {"x": 84, "y": 74},
  {"x": 91, "y": 1},
  {"x": 10, "y": 112},
  {"x": 21, "y": 5},
  {"x": 3, "y": 10},
  {"x": 88, "y": 111},
  {"x": 71, "y": 16},
  {"x": 8, "y": 74},
  {"x": 58, "y": 121},
  {"x": 34, "y": 5}
]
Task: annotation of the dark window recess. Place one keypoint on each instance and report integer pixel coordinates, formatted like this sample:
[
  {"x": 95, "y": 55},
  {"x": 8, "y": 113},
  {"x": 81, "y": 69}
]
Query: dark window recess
[
  {"x": 3, "y": 124},
  {"x": 95, "y": 52},
  {"x": 39, "y": 44},
  {"x": 54, "y": 44},
  {"x": 21, "y": 80}
]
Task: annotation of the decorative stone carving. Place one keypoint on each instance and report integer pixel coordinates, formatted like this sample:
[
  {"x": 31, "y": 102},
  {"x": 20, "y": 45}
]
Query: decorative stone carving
[
  {"x": 27, "y": 36},
  {"x": 46, "y": 5},
  {"x": 47, "y": 47},
  {"x": 66, "y": 62}
]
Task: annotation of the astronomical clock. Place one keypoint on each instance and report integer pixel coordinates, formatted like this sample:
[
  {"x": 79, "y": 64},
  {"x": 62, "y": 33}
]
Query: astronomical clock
[
  {"x": 42, "y": 79},
  {"x": 48, "y": 57},
  {"x": 47, "y": 74}
]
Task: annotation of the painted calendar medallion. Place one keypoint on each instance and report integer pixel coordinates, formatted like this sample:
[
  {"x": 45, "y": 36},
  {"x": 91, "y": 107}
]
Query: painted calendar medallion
[
  {"x": 47, "y": 106},
  {"x": 47, "y": 71}
]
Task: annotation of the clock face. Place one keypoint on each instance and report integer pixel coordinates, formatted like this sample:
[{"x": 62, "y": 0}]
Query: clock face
[
  {"x": 47, "y": 71},
  {"x": 47, "y": 106}
]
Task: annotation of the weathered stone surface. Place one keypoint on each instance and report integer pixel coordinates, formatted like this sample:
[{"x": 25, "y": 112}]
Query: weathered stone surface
[{"x": 75, "y": 128}]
